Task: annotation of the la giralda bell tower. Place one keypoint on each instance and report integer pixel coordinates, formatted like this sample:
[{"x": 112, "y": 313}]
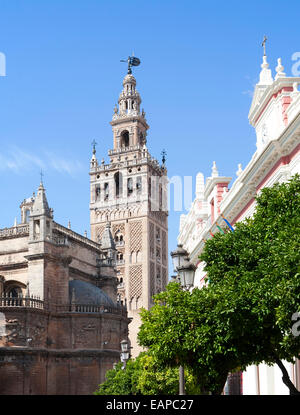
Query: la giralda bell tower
[{"x": 130, "y": 195}]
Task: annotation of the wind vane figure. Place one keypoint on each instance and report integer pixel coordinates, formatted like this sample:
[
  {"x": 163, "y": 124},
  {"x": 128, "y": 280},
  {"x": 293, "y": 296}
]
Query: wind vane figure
[
  {"x": 132, "y": 61},
  {"x": 264, "y": 44},
  {"x": 94, "y": 143}
]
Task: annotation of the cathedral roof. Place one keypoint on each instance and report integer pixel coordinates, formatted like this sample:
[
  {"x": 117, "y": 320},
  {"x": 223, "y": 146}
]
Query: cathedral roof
[{"x": 85, "y": 293}]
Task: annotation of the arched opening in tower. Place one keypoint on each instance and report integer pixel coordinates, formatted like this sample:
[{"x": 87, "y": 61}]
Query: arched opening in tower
[
  {"x": 118, "y": 184},
  {"x": 125, "y": 139}
]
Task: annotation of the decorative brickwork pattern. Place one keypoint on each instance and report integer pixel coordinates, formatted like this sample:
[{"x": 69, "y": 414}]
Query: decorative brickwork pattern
[
  {"x": 151, "y": 240},
  {"x": 135, "y": 236},
  {"x": 152, "y": 279},
  {"x": 135, "y": 281},
  {"x": 99, "y": 232},
  {"x": 158, "y": 279},
  {"x": 118, "y": 227},
  {"x": 164, "y": 279},
  {"x": 164, "y": 247}
]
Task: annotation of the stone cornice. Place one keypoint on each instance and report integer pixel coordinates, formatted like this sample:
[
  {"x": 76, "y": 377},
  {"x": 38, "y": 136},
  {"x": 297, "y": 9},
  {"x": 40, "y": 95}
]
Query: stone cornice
[
  {"x": 65, "y": 260},
  {"x": 267, "y": 95},
  {"x": 57, "y": 353},
  {"x": 212, "y": 181},
  {"x": 129, "y": 118},
  {"x": 246, "y": 185},
  {"x": 8, "y": 267}
]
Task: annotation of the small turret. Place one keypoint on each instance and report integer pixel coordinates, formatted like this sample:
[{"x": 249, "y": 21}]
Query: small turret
[
  {"x": 40, "y": 218},
  {"x": 94, "y": 161},
  {"x": 107, "y": 243}
]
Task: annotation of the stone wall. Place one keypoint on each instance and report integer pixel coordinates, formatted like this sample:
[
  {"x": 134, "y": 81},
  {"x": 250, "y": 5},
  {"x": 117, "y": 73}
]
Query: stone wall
[
  {"x": 57, "y": 352},
  {"x": 26, "y": 371}
]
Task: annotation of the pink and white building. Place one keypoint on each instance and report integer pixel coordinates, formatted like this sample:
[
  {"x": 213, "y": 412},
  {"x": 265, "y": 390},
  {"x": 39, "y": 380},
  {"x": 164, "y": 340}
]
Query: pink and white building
[{"x": 275, "y": 115}]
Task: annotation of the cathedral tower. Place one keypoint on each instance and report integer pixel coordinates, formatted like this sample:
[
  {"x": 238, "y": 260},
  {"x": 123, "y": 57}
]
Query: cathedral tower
[{"x": 131, "y": 193}]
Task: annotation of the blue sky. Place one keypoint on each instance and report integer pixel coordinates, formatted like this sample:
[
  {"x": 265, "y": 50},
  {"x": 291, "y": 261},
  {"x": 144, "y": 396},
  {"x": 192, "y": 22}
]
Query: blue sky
[{"x": 200, "y": 62}]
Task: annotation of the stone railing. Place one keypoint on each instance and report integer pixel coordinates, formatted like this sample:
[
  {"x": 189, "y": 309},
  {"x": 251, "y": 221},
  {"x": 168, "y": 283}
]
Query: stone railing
[
  {"x": 91, "y": 308},
  {"x": 124, "y": 149},
  {"x": 31, "y": 302},
  {"x": 14, "y": 230},
  {"x": 34, "y": 302},
  {"x": 66, "y": 232}
]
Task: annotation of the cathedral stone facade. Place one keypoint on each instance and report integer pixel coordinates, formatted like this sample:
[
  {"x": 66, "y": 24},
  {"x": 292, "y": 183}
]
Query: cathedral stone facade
[
  {"x": 131, "y": 193},
  {"x": 61, "y": 323}
]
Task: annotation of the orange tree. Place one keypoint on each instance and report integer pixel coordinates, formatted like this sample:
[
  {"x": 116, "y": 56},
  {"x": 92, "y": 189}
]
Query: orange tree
[{"x": 245, "y": 314}]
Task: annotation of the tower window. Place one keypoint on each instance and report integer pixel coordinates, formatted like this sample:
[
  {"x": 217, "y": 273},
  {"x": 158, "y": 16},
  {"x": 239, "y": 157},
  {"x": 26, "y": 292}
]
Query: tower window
[
  {"x": 106, "y": 191},
  {"x": 125, "y": 139},
  {"x": 160, "y": 196},
  {"x": 129, "y": 186},
  {"x": 97, "y": 191},
  {"x": 36, "y": 228},
  {"x": 27, "y": 213},
  {"x": 118, "y": 184},
  {"x": 139, "y": 184}
]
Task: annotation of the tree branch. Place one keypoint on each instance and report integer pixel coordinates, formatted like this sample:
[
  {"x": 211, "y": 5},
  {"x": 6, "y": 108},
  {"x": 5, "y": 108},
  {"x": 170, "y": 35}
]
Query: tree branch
[{"x": 286, "y": 379}]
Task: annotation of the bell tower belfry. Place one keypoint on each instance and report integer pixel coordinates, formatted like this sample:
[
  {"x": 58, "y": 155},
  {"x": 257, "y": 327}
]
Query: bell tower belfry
[{"x": 131, "y": 193}]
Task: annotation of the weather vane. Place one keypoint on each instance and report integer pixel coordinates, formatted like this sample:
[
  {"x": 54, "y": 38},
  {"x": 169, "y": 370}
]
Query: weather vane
[
  {"x": 132, "y": 61},
  {"x": 164, "y": 153},
  {"x": 41, "y": 174},
  {"x": 264, "y": 44},
  {"x": 94, "y": 143}
]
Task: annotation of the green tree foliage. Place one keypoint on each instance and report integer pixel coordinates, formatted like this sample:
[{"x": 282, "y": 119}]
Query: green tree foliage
[
  {"x": 260, "y": 263},
  {"x": 142, "y": 376},
  {"x": 244, "y": 315}
]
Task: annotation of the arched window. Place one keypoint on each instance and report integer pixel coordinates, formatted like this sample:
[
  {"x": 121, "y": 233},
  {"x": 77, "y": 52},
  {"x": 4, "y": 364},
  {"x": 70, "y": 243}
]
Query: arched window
[
  {"x": 27, "y": 213},
  {"x": 97, "y": 192},
  {"x": 125, "y": 138},
  {"x": 118, "y": 184},
  {"x": 14, "y": 292},
  {"x": 139, "y": 184},
  {"x": 129, "y": 186}
]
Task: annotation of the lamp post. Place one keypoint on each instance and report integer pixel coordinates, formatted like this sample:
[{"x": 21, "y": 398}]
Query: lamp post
[
  {"x": 185, "y": 275},
  {"x": 124, "y": 352}
]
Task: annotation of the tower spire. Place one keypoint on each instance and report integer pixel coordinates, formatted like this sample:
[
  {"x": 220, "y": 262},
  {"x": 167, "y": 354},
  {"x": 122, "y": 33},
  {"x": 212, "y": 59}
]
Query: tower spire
[
  {"x": 94, "y": 143},
  {"x": 94, "y": 161}
]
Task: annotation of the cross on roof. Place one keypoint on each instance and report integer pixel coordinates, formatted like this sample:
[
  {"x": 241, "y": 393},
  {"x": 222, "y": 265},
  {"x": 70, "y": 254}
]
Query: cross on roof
[{"x": 264, "y": 44}]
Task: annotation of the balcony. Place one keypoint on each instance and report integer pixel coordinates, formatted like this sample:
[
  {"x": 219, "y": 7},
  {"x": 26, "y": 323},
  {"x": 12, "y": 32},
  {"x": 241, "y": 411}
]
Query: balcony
[{"x": 119, "y": 243}]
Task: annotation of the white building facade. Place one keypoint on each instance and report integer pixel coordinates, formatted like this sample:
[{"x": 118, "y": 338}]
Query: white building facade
[{"x": 275, "y": 115}]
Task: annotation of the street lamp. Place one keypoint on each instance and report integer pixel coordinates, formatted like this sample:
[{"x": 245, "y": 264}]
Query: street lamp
[
  {"x": 186, "y": 274},
  {"x": 178, "y": 256},
  {"x": 124, "y": 352}
]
